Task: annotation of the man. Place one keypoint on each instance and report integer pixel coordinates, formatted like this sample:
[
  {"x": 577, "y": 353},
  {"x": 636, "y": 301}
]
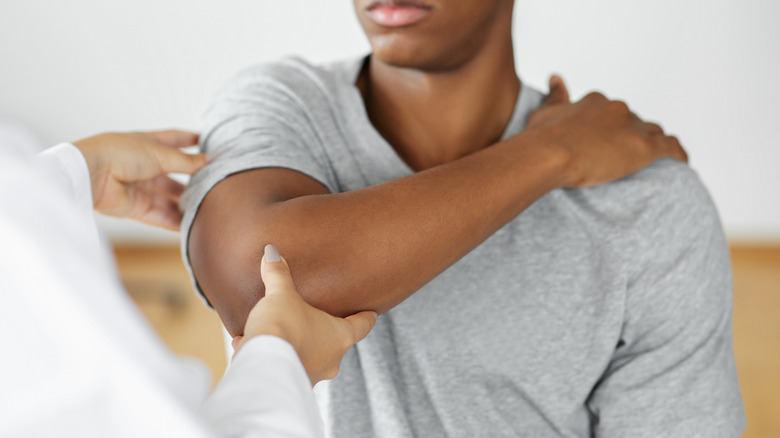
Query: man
[
  {"x": 427, "y": 183},
  {"x": 80, "y": 360}
]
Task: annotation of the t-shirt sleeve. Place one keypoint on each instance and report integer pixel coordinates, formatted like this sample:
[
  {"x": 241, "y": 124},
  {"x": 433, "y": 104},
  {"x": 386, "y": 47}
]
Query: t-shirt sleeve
[
  {"x": 263, "y": 117},
  {"x": 673, "y": 373}
]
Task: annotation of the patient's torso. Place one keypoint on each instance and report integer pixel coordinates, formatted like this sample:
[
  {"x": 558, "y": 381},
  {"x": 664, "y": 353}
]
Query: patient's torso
[{"x": 516, "y": 337}]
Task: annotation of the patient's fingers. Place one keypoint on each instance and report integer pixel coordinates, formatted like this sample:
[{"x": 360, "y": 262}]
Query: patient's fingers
[
  {"x": 653, "y": 128},
  {"x": 672, "y": 148}
]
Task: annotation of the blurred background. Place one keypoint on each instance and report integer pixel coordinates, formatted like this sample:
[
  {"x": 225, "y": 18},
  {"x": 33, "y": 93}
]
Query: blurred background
[{"x": 707, "y": 71}]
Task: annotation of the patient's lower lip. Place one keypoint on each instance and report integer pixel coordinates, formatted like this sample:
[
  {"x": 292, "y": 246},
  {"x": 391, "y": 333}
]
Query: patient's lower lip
[{"x": 397, "y": 16}]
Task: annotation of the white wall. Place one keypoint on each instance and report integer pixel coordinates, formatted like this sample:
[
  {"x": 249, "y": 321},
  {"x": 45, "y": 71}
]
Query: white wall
[{"x": 708, "y": 71}]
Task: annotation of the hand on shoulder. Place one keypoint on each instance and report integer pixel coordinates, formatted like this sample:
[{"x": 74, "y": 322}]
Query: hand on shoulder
[{"x": 602, "y": 140}]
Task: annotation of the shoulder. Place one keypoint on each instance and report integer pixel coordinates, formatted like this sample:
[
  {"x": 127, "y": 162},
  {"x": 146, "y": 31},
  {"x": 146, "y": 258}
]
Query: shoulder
[
  {"x": 665, "y": 226},
  {"x": 290, "y": 80},
  {"x": 285, "y": 95},
  {"x": 680, "y": 267},
  {"x": 290, "y": 71},
  {"x": 674, "y": 212},
  {"x": 666, "y": 195},
  {"x": 668, "y": 209},
  {"x": 668, "y": 187}
]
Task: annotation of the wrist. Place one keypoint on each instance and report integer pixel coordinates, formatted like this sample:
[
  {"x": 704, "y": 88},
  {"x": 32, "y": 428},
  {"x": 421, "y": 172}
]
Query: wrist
[
  {"x": 549, "y": 156},
  {"x": 271, "y": 327}
]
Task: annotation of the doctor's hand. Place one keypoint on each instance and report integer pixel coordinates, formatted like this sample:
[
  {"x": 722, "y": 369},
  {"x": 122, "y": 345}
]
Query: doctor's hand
[
  {"x": 129, "y": 173},
  {"x": 601, "y": 139},
  {"x": 320, "y": 340}
]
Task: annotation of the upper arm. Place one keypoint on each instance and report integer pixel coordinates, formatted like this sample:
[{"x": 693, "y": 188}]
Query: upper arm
[
  {"x": 229, "y": 233},
  {"x": 673, "y": 372}
]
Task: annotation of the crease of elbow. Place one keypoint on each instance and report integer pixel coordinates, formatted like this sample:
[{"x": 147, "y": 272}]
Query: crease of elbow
[{"x": 331, "y": 293}]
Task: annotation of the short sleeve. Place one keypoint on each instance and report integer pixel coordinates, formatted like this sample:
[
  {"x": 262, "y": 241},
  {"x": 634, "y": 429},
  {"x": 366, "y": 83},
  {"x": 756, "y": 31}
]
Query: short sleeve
[
  {"x": 673, "y": 373},
  {"x": 263, "y": 117}
]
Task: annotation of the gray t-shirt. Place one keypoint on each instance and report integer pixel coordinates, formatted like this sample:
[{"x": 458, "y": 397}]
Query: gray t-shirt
[{"x": 603, "y": 311}]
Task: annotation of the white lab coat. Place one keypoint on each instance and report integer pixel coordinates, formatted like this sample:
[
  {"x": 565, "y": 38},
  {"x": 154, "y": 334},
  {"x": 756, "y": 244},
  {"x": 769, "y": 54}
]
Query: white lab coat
[{"x": 78, "y": 358}]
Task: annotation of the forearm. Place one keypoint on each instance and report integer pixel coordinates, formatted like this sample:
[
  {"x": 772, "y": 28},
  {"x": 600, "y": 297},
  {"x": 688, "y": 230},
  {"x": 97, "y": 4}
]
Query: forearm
[
  {"x": 369, "y": 248},
  {"x": 384, "y": 242}
]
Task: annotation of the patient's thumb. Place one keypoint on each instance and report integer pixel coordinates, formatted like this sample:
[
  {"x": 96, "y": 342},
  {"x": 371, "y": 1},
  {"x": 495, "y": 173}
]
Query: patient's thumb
[{"x": 559, "y": 93}]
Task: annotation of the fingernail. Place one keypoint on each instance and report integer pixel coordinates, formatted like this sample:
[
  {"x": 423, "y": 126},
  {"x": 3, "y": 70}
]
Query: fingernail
[{"x": 272, "y": 254}]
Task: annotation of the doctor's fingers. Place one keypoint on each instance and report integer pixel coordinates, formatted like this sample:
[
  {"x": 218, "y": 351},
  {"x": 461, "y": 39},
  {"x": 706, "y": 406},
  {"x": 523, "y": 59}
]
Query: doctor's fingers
[
  {"x": 165, "y": 185},
  {"x": 171, "y": 138},
  {"x": 148, "y": 206},
  {"x": 164, "y": 214},
  {"x": 176, "y": 161},
  {"x": 360, "y": 325}
]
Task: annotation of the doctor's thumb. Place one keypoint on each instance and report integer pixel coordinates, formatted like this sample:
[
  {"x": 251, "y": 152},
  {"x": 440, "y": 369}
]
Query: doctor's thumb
[{"x": 276, "y": 273}]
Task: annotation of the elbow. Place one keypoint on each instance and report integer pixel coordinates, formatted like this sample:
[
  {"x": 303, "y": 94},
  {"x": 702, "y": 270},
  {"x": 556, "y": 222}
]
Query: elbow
[
  {"x": 226, "y": 265},
  {"x": 228, "y": 273},
  {"x": 227, "y": 270},
  {"x": 232, "y": 291},
  {"x": 232, "y": 282}
]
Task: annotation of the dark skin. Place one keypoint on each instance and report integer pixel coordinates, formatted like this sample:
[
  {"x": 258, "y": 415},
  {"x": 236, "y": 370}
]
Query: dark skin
[
  {"x": 441, "y": 91},
  {"x": 408, "y": 85}
]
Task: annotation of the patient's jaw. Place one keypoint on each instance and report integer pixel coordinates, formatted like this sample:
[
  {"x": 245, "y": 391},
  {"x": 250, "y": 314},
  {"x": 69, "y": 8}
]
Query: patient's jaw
[{"x": 446, "y": 35}]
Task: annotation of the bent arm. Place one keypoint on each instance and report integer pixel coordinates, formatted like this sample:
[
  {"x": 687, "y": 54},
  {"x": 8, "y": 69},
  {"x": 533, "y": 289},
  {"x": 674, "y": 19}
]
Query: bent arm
[{"x": 368, "y": 249}]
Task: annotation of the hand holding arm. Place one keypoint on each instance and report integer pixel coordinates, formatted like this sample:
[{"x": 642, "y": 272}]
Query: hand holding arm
[
  {"x": 267, "y": 366},
  {"x": 319, "y": 338},
  {"x": 591, "y": 160},
  {"x": 129, "y": 173}
]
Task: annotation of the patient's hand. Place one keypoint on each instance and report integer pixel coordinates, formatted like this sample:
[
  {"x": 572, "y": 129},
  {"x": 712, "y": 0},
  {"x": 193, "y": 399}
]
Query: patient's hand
[
  {"x": 602, "y": 138},
  {"x": 319, "y": 338},
  {"x": 129, "y": 173}
]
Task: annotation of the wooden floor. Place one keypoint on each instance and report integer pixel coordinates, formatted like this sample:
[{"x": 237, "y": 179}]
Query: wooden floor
[
  {"x": 757, "y": 336},
  {"x": 158, "y": 282}
]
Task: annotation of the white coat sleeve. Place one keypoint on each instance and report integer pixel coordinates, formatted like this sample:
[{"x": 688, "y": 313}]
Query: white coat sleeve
[
  {"x": 66, "y": 165},
  {"x": 264, "y": 393},
  {"x": 79, "y": 360}
]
